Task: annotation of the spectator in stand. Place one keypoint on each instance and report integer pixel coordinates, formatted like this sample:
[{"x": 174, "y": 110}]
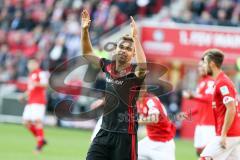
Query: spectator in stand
[
  {"x": 30, "y": 47},
  {"x": 17, "y": 21},
  {"x": 222, "y": 18},
  {"x": 14, "y": 41},
  {"x": 3, "y": 55},
  {"x": 100, "y": 17},
  {"x": 3, "y": 38},
  {"x": 72, "y": 36},
  {"x": 20, "y": 62},
  {"x": 56, "y": 18},
  {"x": 205, "y": 18},
  {"x": 115, "y": 17},
  {"x": 58, "y": 53},
  {"x": 30, "y": 22},
  {"x": 4, "y": 19}
]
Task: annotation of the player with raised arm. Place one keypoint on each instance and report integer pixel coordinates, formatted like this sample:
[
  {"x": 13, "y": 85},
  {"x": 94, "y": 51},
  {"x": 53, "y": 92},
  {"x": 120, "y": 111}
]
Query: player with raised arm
[
  {"x": 34, "y": 111},
  {"x": 205, "y": 129},
  {"x": 159, "y": 143},
  {"x": 117, "y": 138},
  {"x": 226, "y": 144}
]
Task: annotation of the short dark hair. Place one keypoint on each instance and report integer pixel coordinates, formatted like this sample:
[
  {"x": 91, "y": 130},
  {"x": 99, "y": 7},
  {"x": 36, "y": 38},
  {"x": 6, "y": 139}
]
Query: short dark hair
[
  {"x": 214, "y": 55},
  {"x": 126, "y": 38}
]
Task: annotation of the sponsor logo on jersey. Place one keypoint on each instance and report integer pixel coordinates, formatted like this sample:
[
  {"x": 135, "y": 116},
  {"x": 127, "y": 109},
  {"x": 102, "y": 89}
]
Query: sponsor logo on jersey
[{"x": 118, "y": 82}]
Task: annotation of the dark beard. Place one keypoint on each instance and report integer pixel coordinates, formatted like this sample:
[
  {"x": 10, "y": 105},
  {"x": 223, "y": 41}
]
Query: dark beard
[{"x": 210, "y": 72}]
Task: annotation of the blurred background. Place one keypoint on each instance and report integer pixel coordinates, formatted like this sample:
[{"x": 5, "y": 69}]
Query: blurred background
[{"x": 174, "y": 33}]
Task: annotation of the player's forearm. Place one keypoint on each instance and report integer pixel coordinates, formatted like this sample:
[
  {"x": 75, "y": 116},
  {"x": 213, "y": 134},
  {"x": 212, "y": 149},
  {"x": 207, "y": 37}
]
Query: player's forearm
[
  {"x": 148, "y": 120},
  {"x": 140, "y": 55},
  {"x": 229, "y": 117},
  {"x": 86, "y": 43}
]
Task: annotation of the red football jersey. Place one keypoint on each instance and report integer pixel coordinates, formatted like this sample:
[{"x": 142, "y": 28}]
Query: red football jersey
[
  {"x": 37, "y": 94},
  {"x": 204, "y": 101},
  {"x": 224, "y": 92},
  {"x": 162, "y": 131}
]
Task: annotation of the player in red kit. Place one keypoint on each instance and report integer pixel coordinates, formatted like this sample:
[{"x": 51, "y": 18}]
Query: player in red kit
[
  {"x": 159, "y": 143},
  {"x": 205, "y": 129},
  {"x": 36, "y": 102},
  {"x": 226, "y": 144}
]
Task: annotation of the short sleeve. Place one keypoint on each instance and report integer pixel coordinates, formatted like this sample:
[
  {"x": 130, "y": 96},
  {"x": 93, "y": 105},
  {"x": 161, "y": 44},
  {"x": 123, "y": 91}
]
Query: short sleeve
[
  {"x": 227, "y": 92},
  {"x": 103, "y": 63}
]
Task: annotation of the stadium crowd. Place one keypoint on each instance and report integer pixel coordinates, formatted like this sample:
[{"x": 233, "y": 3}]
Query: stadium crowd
[
  {"x": 206, "y": 12},
  {"x": 50, "y": 30}
]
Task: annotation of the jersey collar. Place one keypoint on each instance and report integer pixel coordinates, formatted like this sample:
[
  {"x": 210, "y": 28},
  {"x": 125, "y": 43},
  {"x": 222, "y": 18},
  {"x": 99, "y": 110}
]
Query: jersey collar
[{"x": 111, "y": 68}]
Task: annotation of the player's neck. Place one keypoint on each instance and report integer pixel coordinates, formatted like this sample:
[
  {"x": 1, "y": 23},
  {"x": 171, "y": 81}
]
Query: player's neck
[
  {"x": 120, "y": 66},
  {"x": 216, "y": 72}
]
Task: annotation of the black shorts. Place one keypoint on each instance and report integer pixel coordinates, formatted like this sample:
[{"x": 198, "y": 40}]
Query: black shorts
[{"x": 113, "y": 146}]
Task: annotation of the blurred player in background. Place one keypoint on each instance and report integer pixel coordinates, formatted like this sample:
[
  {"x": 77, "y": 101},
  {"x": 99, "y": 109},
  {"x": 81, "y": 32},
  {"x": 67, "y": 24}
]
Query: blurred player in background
[
  {"x": 159, "y": 143},
  {"x": 34, "y": 111},
  {"x": 205, "y": 129},
  {"x": 117, "y": 138},
  {"x": 226, "y": 144}
]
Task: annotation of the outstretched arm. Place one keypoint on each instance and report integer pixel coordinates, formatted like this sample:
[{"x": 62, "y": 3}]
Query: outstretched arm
[
  {"x": 140, "y": 55},
  {"x": 85, "y": 40}
]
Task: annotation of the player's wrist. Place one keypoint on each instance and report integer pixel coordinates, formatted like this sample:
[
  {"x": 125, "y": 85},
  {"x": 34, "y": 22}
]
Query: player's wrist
[
  {"x": 85, "y": 28},
  {"x": 223, "y": 135},
  {"x": 135, "y": 37}
]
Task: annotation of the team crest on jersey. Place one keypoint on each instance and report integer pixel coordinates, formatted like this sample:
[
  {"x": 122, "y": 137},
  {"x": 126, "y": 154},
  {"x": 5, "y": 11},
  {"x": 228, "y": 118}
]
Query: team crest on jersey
[{"x": 224, "y": 90}]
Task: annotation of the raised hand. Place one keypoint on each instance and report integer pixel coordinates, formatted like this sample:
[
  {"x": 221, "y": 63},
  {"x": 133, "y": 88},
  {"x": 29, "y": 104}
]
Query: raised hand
[
  {"x": 133, "y": 25},
  {"x": 85, "y": 19}
]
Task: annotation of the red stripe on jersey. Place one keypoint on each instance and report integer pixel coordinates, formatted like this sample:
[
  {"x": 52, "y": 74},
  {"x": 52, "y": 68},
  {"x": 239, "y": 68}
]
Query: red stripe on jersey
[
  {"x": 131, "y": 123},
  {"x": 133, "y": 152}
]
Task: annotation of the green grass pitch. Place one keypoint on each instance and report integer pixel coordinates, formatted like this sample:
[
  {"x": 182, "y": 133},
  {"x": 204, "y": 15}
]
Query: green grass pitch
[{"x": 16, "y": 143}]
